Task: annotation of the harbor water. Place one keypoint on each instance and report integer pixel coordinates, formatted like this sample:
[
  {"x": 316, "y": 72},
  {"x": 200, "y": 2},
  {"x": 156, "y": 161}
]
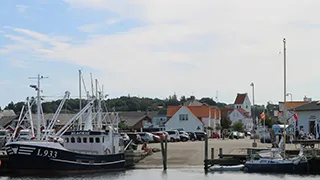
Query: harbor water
[{"x": 170, "y": 174}]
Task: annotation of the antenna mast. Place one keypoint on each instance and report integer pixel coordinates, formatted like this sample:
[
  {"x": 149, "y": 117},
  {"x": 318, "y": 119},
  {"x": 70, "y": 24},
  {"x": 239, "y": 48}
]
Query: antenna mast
[{"x": 37, "y": 88}]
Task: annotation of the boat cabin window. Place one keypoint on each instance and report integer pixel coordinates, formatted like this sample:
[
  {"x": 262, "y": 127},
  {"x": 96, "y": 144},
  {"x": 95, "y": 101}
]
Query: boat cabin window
[
  {"x": 85, "y": 140},
  {"x": 73, "y": 140},
  {"x": 97, "y": 140},
  {"x": 78, "y": 139},
  {"x": 103, "y": 139},
  {"x": 91, "y": 140},
  {"x": 67, "y": 140}
]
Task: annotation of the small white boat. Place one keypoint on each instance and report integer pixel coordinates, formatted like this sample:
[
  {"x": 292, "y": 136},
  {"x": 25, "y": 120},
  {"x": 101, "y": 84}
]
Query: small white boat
[{"x": 218, "y": 168}]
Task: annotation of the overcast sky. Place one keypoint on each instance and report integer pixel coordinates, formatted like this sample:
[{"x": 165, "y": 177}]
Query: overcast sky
[{"x": 156, "y": 48}]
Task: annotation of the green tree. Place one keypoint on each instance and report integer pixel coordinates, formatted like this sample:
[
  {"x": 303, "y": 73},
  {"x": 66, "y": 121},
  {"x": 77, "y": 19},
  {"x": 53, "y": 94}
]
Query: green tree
[
  {"x": 208, "y": 101},
  {"x": 269, "y": 121},
  {"x": 238, "y": 126},
  {"x": 10, "y": 106},
  {"x": 218, "y": 127},
  {"x": 225, "y": 122},
  {"x": 123, "y": 126}
]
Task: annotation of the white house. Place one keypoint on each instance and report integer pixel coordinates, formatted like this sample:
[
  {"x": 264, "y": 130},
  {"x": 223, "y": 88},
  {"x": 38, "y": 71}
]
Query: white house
[
  {"x": 290, "y": 106},
  {"x": 242, "y": 101},
  {"x": 159, "y": 120},
  {"x": 308, "y": 114},
  {"x": 240, "y": 114},
  {"x": 183, "y": 118}
]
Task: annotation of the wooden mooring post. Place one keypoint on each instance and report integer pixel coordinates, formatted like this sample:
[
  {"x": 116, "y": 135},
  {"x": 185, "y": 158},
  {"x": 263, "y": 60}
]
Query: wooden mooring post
[
  {"x": 206, "y": 162},
  {"x": 220, "y": 153},
  {"x": 164, "y": 150},
  {"x": 212, "y": 153}
]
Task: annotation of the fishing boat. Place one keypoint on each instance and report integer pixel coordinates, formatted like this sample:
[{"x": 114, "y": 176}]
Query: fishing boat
[{"x": 70, "y": 150}]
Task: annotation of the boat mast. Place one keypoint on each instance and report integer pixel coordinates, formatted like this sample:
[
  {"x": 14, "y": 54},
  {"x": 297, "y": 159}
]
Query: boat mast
[
  {"x": 37, "y": 88},
  {"x": 285, "y": 96},
  {"x": 98, "y": 96},
  {"x": 80, "y": 102}
]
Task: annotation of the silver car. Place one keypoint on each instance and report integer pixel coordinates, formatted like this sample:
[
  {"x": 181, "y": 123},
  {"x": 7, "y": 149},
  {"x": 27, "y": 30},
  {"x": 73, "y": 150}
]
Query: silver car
[{"x": 146, "y": 137}]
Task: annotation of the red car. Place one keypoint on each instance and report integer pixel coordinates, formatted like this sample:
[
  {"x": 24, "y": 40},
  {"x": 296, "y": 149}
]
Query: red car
[
  {"x": 215, "y": 135},
  {"x": 160, "y": 134}
]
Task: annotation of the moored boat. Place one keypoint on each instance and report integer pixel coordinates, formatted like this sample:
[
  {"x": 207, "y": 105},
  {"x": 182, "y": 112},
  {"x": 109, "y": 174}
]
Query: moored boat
[
  {"x": 81, "y": 152},
  {"x": 272, "y": 162},
  {"x": 217, "y": 168},
  {"x": 74, "y": 148}
]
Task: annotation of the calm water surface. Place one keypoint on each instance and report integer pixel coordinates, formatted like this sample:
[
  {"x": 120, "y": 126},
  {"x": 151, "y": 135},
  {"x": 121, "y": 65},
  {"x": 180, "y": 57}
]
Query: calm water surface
[{"x": 171, "y": 174}]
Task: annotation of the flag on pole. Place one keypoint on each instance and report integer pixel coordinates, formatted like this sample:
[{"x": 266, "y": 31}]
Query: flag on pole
[
  {"x": 263, "y": 116},
  {"x": 296, "y": 117}
]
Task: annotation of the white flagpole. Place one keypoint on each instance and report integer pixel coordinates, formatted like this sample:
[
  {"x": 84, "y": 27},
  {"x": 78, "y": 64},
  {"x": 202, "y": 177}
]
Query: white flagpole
[
  {"x": 316, "y": 126},
  {"x": 264, "y": 127}
]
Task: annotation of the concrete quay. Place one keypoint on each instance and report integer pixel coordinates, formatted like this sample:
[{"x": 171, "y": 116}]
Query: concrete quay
[{"x": 189, "y": 154}]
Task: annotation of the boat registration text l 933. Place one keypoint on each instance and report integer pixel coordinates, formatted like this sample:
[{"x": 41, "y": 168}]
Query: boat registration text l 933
[{"x": 47, "y": 153}]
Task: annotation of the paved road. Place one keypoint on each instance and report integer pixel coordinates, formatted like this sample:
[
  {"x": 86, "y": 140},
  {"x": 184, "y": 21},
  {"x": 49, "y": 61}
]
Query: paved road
[{"x": 182, "y": 154}]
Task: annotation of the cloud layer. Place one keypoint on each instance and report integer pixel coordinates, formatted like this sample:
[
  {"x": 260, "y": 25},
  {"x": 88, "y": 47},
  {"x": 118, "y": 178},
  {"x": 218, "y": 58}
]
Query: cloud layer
[{"x": 189, "y": 46}]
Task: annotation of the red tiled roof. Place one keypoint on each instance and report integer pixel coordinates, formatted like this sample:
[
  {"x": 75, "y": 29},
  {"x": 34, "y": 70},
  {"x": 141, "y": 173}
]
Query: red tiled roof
[
  {"x": 243, "y": 112},
  {"x": 295, "y": 104},
  {"x": 198, "y": 111},
  {"x": 171, "y": 110},
  {"x": 240, "y": 98}
]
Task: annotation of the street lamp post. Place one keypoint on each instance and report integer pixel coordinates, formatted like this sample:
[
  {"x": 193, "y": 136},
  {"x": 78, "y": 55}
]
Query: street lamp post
[
  {"x": 254, "y": 144},
  {"x": 289, "y": 94}
]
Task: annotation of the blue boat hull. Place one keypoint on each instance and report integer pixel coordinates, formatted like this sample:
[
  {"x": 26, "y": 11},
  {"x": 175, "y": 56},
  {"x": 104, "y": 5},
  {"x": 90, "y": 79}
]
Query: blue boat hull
[{"x": 287, "y": 168}]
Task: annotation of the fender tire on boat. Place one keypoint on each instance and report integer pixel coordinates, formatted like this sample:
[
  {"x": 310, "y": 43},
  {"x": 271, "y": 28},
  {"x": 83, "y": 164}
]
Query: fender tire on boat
[{"x": 107, "y": 151}]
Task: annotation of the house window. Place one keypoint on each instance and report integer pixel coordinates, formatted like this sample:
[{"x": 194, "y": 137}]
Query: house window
[{"x": 183, "y": 117}]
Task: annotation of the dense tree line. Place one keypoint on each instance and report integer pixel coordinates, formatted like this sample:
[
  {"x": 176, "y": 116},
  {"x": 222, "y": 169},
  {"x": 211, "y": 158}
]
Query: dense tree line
[{"x": 123, "y": 103}]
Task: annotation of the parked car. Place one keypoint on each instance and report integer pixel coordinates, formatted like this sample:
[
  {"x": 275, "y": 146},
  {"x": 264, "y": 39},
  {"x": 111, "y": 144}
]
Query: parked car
[
  {"x": 233, "y": 135},
  {"x": 200, "y": 135},
  {"x": 215, "y": 135},
  {"x": 167, "y": 135},
  {"x": 192, "y": 136},
  {"x": 146, "y": 136},
  {"x": 4, "y": 137},
  {"x": 240, "y": 135},
  {"x": 184, "y": 136},
  {"x": 125, "y": 137},
  {"x": 25, "y": 135},
  {"x": 160, "y": 134},
  {"x": 265, "y": 137},
  {"x": 135, "y": 137},
  {"x": 156, "y": 138},
  {"x": 174, "y": 135}
]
